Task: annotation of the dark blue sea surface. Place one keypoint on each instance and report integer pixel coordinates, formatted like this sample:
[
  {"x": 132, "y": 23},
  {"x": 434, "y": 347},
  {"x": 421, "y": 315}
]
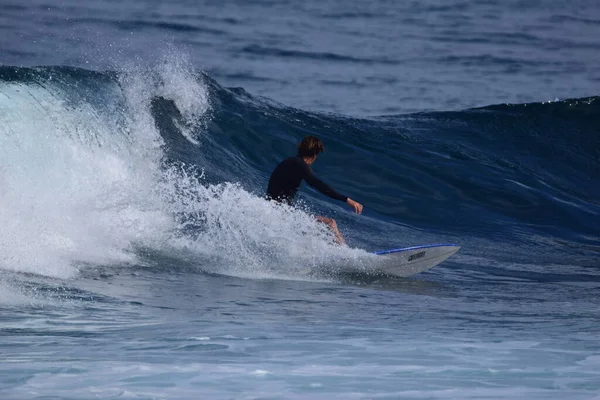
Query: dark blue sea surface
[{"x": 140, "y": 260}]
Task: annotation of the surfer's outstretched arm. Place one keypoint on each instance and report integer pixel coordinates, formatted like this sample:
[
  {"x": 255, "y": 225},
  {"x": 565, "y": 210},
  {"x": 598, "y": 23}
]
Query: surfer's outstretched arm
[{"x": 312, "y": 180}]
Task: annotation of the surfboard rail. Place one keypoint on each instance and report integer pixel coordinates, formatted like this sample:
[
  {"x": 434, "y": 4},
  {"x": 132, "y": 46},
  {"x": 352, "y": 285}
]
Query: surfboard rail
[{"x": 425, "y": 246}]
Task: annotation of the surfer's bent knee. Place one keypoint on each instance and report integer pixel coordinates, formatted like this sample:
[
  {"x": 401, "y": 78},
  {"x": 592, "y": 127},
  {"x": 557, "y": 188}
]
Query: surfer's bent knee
[{"x": 329, "y": 221}]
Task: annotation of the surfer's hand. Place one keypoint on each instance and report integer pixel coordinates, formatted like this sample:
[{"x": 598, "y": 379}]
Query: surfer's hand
[{"x": 356, "y": 205}]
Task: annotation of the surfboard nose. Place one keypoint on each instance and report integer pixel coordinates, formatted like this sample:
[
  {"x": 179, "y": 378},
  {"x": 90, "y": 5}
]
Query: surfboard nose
[{"x": 454, "y": 248}]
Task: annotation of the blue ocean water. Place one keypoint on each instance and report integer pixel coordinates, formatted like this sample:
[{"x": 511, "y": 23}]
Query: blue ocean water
[{"x": 139, "y": 259}]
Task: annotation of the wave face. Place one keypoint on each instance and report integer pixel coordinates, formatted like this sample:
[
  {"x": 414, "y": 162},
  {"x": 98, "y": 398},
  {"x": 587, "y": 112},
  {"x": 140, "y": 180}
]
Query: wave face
[{"x": 118, "y": 168}]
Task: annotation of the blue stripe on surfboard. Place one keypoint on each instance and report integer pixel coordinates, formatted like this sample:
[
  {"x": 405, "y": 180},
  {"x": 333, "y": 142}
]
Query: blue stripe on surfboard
[{"x": 380, "y": 252}]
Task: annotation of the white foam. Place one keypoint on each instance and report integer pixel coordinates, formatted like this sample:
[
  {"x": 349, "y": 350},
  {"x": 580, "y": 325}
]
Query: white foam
[
  {"x": 10, "y": 296},
  {"x": 79, "y": 184},
  {"x": 260, "y": 372},
  {"x": 254, "y": 238}
]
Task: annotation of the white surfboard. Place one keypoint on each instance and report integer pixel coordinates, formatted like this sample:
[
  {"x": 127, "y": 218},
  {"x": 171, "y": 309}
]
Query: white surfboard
[{"x": 413, "y": 260}]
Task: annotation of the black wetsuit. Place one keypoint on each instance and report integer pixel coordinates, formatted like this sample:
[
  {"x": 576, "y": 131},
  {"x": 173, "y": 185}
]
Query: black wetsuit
[{"x": 287, "y": 176}]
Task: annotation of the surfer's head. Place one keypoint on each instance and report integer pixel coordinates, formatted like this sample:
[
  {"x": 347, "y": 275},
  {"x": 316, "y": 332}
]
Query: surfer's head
[{"x": 310, "y": 147}]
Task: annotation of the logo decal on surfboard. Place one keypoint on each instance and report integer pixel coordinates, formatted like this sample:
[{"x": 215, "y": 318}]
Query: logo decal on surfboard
[{"x": 417, "y": 255}]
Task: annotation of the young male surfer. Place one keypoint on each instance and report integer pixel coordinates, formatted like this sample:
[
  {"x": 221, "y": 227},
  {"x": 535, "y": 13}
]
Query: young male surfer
[{"x": 287, "y": 176}]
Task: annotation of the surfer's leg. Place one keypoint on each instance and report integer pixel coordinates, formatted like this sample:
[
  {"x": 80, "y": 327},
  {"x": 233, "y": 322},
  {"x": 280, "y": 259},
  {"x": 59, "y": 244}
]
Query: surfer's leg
[{"x": 330, "y": 222}]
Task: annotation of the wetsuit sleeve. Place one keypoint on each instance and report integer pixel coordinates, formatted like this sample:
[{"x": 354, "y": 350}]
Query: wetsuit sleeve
[{"x": 312, "y": 180}]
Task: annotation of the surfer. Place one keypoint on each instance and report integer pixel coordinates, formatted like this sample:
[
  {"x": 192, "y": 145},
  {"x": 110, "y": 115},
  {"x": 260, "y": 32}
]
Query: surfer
[{"x": 287, "y": 176}]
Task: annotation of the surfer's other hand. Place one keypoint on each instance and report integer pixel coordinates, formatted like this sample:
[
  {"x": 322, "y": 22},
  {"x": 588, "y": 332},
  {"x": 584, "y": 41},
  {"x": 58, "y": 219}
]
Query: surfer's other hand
[{"x": 355, "y": 205}]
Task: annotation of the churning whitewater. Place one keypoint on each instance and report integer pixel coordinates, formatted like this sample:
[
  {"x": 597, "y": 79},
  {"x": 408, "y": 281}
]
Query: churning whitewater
[{"x": 91, "y": 182}]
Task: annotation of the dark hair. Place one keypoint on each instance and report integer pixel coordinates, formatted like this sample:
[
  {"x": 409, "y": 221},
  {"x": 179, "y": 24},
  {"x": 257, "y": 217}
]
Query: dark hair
[{"x": 310, "y": 146}]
